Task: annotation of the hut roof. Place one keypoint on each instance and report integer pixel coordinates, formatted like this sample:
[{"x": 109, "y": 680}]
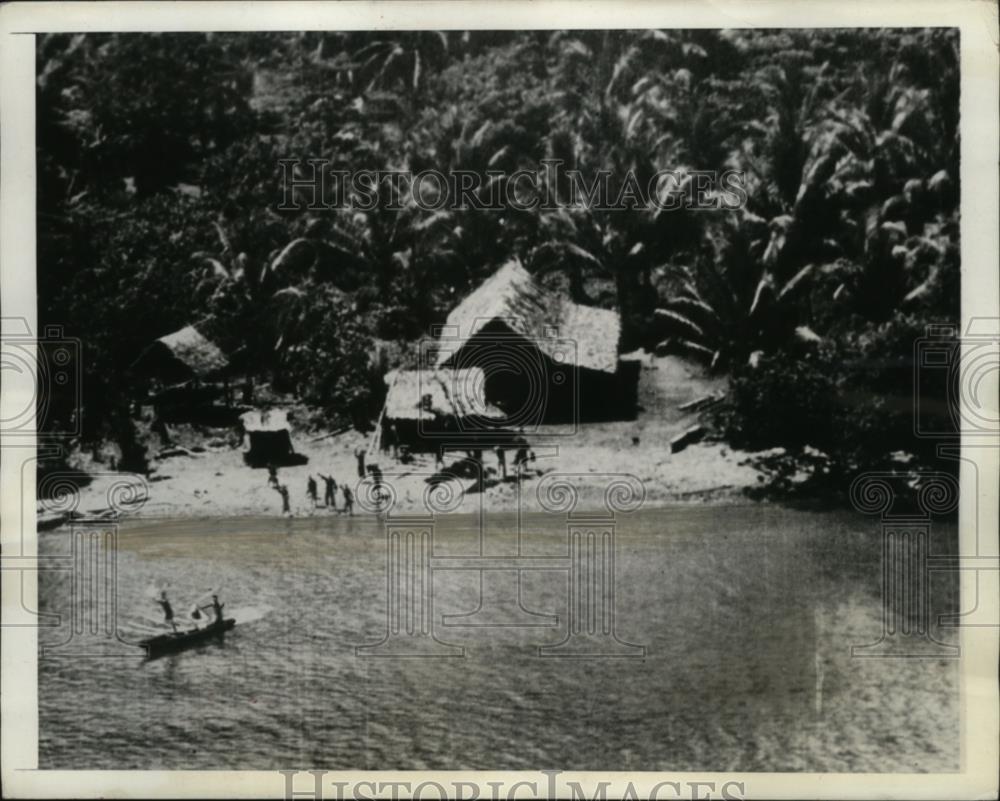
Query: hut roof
[
  {"x": 268, "y": 420},
  {"x": 512, "y": 296},
  {"x": 188, "y": 349},
  {"x": 426, "y": 394},
  {"x": 595, "y": 332}
]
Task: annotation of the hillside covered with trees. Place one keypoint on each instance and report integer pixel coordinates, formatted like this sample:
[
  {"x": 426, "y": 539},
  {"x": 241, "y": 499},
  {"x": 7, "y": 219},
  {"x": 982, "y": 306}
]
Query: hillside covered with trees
[{"x": 159, "y": 185}]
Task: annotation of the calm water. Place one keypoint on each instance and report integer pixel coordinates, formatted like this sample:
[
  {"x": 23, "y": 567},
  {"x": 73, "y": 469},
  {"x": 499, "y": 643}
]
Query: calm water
[{"x": 747, "y": 615}]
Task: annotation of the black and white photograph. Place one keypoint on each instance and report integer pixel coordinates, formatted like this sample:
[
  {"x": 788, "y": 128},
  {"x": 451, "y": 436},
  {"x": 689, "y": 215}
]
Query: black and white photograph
[{"x": 553, "y": 399}]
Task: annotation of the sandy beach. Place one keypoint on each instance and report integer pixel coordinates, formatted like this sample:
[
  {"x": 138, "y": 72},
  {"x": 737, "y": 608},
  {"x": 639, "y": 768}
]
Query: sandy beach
[{"x": 208, "y": 477}]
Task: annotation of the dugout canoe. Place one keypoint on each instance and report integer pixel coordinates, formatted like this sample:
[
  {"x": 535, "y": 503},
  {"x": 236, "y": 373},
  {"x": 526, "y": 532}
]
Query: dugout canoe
[{"x": 173, "y": 642}]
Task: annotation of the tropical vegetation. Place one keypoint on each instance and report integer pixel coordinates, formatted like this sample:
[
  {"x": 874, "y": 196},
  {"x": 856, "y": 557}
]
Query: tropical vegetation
[{"x": 159, "y": 189}]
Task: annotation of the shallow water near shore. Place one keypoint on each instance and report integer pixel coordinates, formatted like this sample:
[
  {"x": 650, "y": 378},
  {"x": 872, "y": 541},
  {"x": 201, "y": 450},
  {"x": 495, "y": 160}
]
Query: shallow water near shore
[{"x": 741, "y": 620}]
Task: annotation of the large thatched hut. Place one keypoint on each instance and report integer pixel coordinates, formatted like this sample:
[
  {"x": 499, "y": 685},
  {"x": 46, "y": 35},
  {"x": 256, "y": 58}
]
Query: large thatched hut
[{"x": 544, "y": 358}]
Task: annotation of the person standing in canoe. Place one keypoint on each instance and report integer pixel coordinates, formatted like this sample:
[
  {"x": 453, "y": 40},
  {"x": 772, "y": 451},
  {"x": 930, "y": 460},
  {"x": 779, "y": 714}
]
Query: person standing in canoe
[
  {"x": 217, "y": 608},
  {"x": 168, "y": 610}
]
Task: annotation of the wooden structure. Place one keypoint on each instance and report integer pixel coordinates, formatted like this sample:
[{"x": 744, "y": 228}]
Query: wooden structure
[
  {"x": 545, "y": 359},
  {"x": 185, "y": 373},
  {"x": 269, "y": 438},
  {"x": 423, "y": 409}
]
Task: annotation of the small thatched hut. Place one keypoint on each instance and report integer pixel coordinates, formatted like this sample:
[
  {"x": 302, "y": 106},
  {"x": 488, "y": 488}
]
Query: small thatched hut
[
  {"x": 182, "y": 356},
  {"x": 270, "y": 438},
  {"x": 184, "y": 374},
  {"x": 422, "y": 408}
]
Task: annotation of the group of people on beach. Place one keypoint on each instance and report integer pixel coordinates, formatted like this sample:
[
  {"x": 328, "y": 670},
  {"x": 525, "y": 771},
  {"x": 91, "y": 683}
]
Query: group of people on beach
[
  {"x": 330, "y": 494},
  {"x": 312, "y": 493},
  {"x": 522, "y": 457}
]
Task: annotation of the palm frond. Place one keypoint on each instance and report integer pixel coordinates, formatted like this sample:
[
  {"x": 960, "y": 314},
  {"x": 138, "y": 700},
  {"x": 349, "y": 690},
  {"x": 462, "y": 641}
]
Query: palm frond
[{"x": 684, "y": 322}]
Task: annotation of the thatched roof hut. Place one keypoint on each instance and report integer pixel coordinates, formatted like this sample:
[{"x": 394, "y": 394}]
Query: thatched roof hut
[
  {"x": 268, "y": 421},
  {"x": 545, "y": 358},
  {"x": 424, "y": 408},
  {"x": 270, "y": 438},
  {"x": 181, "y": 356},
  {"x": 513, "y": 299},
  {"x": 511, "y": 356}
]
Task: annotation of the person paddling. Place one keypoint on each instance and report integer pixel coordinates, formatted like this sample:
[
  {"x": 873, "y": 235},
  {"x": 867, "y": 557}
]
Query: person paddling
[{"x": 168, "y": 610}]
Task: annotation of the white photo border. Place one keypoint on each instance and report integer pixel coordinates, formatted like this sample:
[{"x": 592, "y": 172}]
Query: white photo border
[{"x": 980, "y": 141}]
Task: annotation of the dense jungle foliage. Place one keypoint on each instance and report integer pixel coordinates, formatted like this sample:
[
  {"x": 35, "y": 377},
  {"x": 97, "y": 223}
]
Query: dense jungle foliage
[{"x": 159, "y": 185}]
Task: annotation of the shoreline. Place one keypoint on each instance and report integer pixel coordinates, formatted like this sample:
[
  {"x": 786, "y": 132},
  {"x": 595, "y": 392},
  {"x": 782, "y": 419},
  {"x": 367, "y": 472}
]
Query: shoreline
[
  {"x": 217, "y": 485},
  {"x": 410, "y": 499},
  {"x": 201, "y": 472}
]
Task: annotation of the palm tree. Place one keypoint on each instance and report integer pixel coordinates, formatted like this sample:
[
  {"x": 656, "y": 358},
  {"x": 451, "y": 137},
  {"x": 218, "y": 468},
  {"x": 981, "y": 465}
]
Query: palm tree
[
  {"x": 399, "y": 258},
  {"x": 259, "y": 297},
  {"x": 598, "y": 130},
  {"x": 731, "y": 307},
  {"x": 899, "y": 145},
  {"x": 400, "y": 60}
]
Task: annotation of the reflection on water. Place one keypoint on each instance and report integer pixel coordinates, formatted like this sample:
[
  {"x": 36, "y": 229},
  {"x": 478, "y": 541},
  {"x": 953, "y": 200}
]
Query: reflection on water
[{"x": 746, "y": 614}]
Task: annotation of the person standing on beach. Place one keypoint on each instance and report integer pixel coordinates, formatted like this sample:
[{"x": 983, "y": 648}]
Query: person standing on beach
[
  {"x": 502, "y": 461},
  {"x": 520, "y": 460},
  {"x": 348, "y": 500},
  {"x": 286, "y": 508},
  {"x": 311, "y": 491},
  {"x": 359, "y": 454},
  {"x": 330, "y": 492},
  {"x": 476, "y": 461},
  {"x": 392, "y": 440}
]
